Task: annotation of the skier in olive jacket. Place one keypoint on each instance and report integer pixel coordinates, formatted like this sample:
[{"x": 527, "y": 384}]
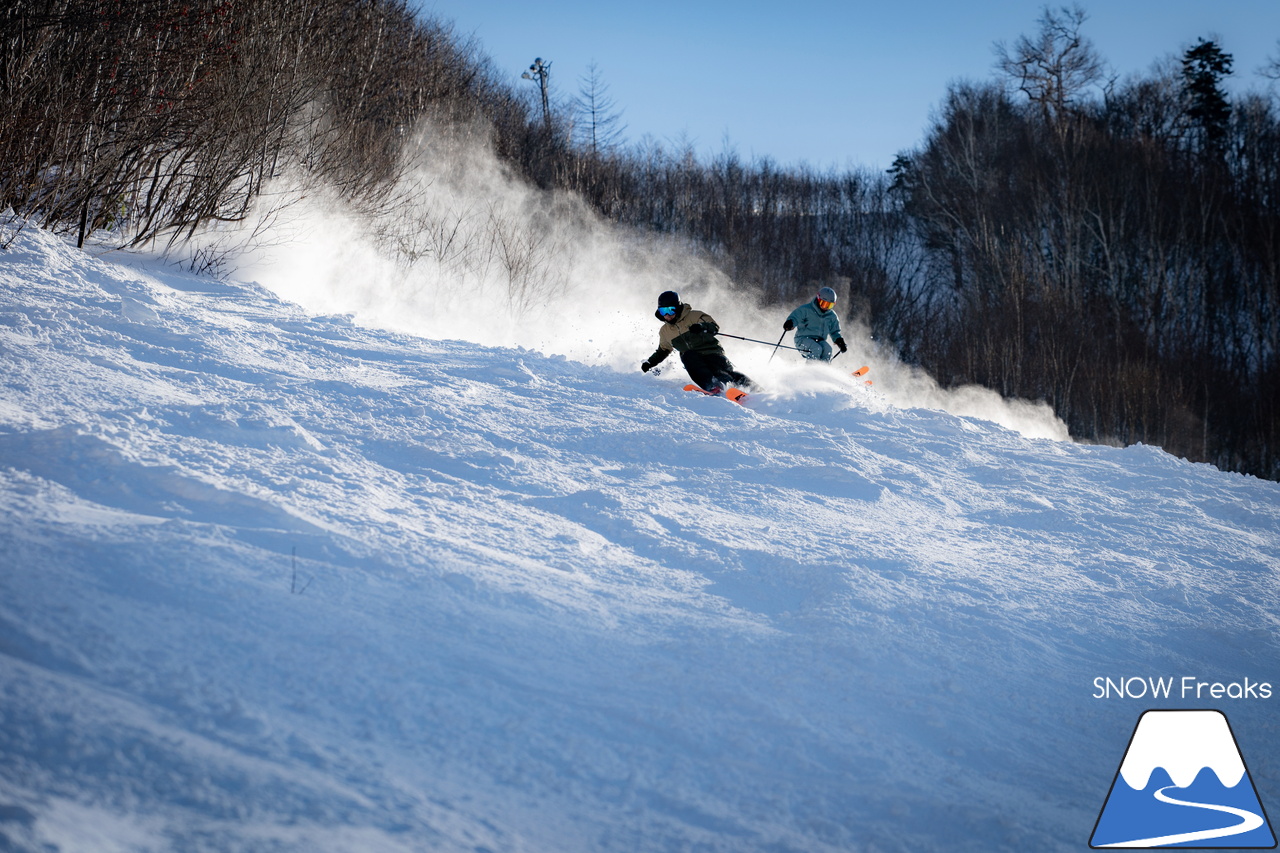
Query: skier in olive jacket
[
  {"x": 814, "y": 322},
  {"x": 692, "y": 333}
]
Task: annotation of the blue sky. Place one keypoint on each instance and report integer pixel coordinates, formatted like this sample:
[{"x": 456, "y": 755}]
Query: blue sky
[{"x": 831, "y": 84}]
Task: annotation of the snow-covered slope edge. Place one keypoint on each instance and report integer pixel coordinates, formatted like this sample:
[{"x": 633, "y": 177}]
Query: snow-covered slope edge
[{"x": 278, "y": 582}]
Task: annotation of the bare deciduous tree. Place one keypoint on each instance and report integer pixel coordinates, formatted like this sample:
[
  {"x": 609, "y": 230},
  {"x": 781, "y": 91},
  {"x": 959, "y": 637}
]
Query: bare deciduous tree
[
  {"x": 597, "y": 119},
  {"x": 1057, "y": 66}
]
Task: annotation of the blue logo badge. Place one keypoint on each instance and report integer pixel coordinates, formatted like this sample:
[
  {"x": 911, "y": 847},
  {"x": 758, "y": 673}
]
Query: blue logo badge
[{"x": 1182, "y": 783}]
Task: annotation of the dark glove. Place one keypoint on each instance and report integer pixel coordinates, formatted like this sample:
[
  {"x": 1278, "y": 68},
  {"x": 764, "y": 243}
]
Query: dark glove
[
  {"x": 704, "y": 329},
  {"x": 645, "y": 367},
  {"x": 840, "y": 343},
  {"x": 788, "y": 326}
]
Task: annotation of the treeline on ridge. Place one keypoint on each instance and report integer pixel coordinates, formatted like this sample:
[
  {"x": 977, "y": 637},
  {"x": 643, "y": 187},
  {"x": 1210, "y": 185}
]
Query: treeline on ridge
[{"x": 1112, "y": 247}]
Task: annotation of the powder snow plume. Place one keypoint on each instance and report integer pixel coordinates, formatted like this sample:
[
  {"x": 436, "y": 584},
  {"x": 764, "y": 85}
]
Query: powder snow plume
[{"x": 462, "y": 249}]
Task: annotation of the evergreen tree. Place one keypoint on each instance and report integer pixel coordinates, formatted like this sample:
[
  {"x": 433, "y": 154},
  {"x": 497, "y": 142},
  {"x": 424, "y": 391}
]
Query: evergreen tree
[{"x": 1203, "y": 69}]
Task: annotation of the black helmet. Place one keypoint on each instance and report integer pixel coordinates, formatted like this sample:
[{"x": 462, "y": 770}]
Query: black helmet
[{"x": 668, "y": 306}]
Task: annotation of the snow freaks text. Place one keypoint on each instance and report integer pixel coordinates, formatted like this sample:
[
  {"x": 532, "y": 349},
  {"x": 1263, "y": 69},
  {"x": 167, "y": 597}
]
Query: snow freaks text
[{"x": 1185, "y": 687}]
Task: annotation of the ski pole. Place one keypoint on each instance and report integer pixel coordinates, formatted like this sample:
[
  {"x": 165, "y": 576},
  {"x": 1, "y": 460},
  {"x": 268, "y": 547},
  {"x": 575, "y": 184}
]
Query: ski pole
[
  {"x": 754, "y": 341},
  {"x": 778, "y": 344}
]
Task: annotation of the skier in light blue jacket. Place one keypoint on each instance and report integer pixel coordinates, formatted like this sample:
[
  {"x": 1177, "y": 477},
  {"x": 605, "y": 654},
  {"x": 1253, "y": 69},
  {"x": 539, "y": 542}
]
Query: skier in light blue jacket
[{"x": 814, "y": 322}]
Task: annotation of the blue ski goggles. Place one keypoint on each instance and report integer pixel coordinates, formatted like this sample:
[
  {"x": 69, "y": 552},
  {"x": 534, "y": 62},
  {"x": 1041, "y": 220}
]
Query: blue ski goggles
[{"x": 667, "y": 310}]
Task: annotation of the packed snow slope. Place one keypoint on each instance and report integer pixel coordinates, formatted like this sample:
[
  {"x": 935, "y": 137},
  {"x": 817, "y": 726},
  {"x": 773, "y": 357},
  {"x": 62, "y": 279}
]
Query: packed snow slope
[{"x": 277, "y": 582}]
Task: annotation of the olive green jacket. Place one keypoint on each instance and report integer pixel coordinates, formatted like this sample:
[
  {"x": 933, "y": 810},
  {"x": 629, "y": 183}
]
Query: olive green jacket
[{"x": 692, "y": 330}]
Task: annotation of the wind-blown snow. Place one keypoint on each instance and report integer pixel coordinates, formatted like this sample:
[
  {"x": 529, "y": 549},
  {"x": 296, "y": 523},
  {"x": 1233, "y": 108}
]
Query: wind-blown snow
[
  {"x": 464, "y": 250},
  {"x": 280, "y": 582}
]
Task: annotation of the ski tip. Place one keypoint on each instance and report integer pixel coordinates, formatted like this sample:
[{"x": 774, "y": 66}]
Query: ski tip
[
  {"x": 862, "y": 371},
  {"x": 737, "y": 395}
]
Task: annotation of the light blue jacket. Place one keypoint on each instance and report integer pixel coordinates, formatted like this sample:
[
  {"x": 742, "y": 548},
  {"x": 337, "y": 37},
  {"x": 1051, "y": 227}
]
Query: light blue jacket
[{"x": 811, "y": 322}]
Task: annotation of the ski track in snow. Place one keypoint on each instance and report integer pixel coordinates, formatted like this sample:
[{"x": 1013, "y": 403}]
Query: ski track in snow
[{"x": 551, "y": 607}]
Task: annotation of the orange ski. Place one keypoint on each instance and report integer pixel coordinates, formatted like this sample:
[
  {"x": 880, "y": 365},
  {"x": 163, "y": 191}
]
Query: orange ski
[{"x": 734, "y": 394}]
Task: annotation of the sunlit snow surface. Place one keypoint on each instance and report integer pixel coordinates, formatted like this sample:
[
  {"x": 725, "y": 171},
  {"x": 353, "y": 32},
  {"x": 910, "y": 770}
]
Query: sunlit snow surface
[{"x": 279, "y": 582}]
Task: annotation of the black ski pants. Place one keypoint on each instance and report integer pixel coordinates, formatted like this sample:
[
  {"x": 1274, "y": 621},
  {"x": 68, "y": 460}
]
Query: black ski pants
[{"x": 711, "y": 370}]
